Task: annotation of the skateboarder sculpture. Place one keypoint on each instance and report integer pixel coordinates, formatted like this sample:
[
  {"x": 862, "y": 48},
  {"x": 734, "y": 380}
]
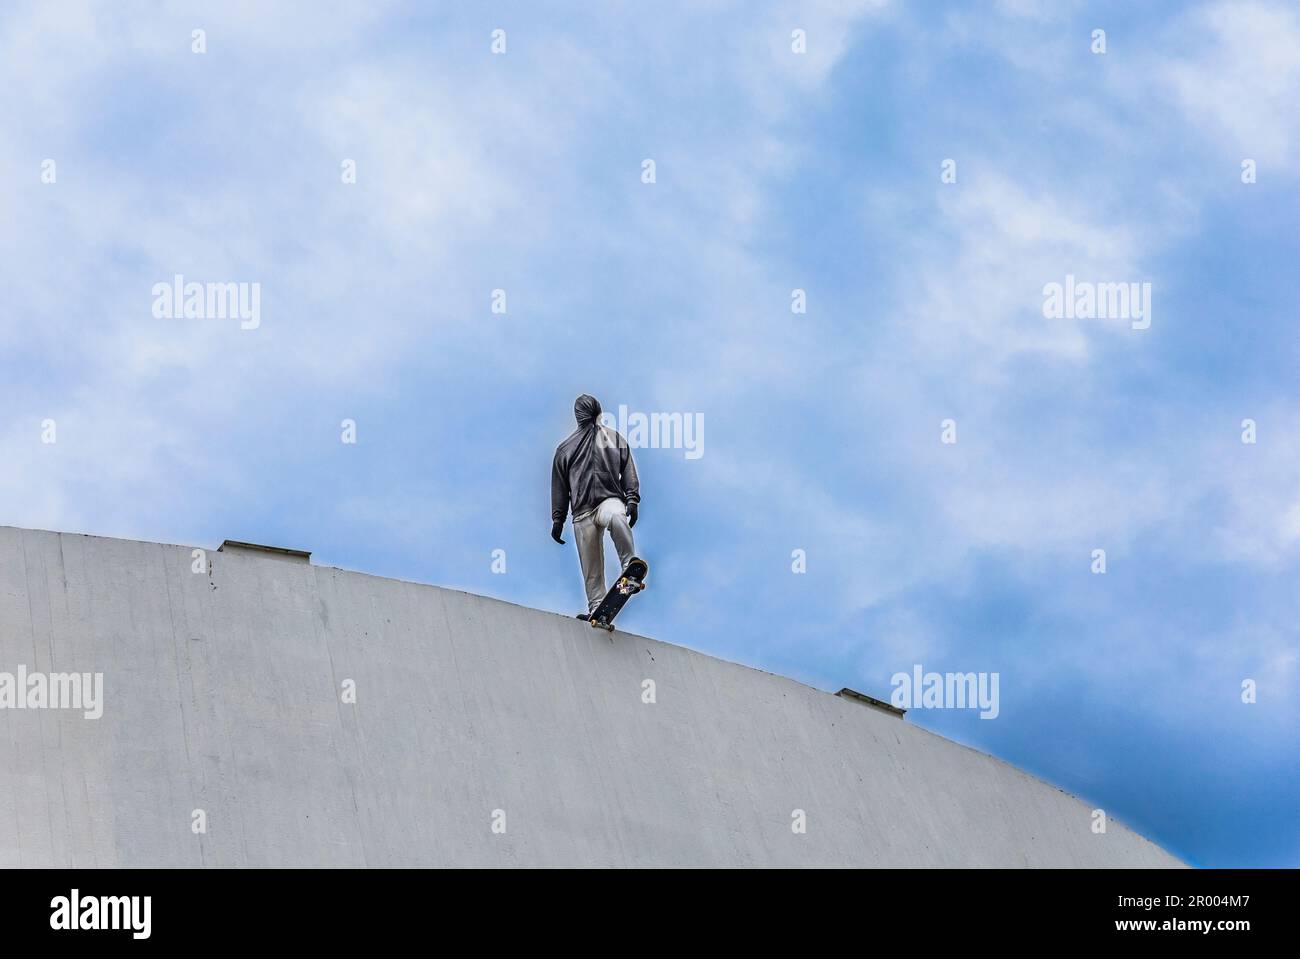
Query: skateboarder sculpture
[{"x": 595, "y": 476}]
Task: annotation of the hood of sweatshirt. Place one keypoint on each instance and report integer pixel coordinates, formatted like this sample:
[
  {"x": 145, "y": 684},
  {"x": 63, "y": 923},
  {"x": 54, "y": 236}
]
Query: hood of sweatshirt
[{"x": 586, "y": 409}]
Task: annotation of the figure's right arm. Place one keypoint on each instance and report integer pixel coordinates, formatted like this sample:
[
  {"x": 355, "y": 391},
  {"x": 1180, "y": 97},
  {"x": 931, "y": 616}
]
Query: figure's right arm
[{"x": 559, "y": 489}]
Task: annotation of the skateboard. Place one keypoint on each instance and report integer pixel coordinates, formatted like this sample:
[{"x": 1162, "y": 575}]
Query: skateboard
[{"x": 631, "y": 582}]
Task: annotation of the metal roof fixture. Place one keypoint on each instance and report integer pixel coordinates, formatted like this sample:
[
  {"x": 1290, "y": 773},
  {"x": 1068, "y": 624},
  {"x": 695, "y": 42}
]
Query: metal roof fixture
[
  {"x": 279, "y": 551},
  {"x": 872, "y": 701}
]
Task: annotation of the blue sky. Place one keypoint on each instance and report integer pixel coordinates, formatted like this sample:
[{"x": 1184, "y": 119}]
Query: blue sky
[{"x": 775, "y": 171}]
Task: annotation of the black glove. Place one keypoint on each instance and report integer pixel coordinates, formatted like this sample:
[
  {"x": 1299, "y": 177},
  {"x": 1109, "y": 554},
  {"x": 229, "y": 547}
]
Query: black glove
[
  {"x": 631, "y": 515},
  {"x": 556, "y": 529}
]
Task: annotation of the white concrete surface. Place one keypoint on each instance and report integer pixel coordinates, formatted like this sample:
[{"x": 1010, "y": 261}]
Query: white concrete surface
[{"x": 222, "y": 693}]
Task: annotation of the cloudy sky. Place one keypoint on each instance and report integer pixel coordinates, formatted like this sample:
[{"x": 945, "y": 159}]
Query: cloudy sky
[{"x": 774, "y": 171}]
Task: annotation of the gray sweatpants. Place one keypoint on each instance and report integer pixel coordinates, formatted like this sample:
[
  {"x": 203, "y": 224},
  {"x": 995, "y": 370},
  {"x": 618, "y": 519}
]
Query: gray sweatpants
[{"x": 589, "y": 531}]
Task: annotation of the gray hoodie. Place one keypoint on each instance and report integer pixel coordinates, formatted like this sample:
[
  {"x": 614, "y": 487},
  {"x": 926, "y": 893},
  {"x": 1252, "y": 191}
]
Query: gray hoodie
[{"x": 592, "y": 464}]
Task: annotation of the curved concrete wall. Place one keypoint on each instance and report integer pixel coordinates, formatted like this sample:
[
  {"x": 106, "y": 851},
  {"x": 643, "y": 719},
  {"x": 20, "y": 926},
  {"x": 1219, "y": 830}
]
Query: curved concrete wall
[{"x": 222, "y": 692}]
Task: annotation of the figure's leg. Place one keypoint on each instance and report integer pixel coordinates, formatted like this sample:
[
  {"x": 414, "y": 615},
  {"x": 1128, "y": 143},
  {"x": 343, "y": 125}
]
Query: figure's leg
[
  {"x": 613, "y": 515},
  {"x": 590, "y": 540}
]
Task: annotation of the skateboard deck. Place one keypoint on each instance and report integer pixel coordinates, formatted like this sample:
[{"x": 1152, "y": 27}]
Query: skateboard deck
[{"x": 628, "y": 584}]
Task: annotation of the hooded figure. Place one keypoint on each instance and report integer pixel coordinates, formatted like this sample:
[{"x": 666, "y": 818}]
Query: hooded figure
[{"x": 595, "y": 476}]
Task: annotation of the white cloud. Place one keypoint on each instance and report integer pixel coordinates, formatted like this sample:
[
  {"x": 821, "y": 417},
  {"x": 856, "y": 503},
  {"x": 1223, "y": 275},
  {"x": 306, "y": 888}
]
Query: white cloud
[
  {"x": 972, "y": 296},
  {"x": 1240, "y": 80}
]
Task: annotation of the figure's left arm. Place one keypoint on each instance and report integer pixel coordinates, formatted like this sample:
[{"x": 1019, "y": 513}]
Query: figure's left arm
[{"x": 631, "y": 484}]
